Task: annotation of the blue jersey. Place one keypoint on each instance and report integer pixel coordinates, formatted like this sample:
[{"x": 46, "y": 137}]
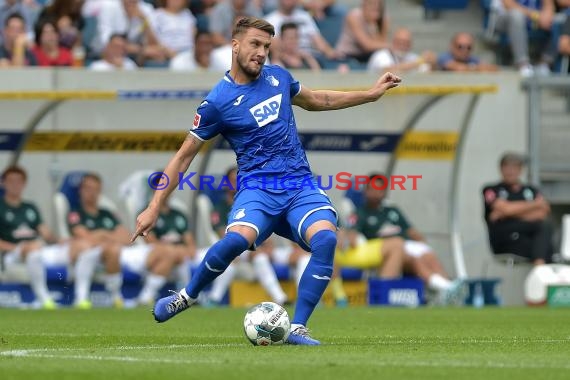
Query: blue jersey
[{"x": 258, "y": 122}]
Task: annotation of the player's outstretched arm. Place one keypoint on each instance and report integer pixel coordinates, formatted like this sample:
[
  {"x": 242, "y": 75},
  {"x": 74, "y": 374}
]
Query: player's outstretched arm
[
  {"x": 324, "y": 100},
  {"x": 178, "y": 164}
]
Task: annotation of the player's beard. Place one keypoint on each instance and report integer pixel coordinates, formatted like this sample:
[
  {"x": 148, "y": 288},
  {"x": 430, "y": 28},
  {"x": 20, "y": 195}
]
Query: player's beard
[{"x": 245, "y": 65}]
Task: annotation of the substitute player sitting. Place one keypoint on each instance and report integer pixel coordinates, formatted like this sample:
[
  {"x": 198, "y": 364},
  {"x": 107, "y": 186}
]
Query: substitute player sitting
[
  {"x": 24, "y": 237},
  {"x": 102, "y": 227}
]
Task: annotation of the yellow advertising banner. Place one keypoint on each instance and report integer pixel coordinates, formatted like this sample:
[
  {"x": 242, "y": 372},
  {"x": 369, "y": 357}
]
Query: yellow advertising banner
[
  {"x": 105, "y": 141},
  {"x": 427, "y": 145}
]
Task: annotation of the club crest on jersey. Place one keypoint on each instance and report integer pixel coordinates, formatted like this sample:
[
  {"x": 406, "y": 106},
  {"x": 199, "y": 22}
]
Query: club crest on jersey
[
  {"x": 272, "y": 81},
  {"x": 267, "y": 111}
]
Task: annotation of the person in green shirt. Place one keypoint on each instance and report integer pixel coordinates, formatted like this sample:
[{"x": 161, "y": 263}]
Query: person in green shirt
[
  {"x": 24, "y": 237},
  {"x": 173, "y": 229},
  {"x": 101, "y": 227},
  {"x": 375, "y": 219}
]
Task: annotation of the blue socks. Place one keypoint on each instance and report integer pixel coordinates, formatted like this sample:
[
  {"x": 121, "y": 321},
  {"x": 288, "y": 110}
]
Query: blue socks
[
  {"x": 218, "y": 258},
  {"x": 316, "y": 276}
]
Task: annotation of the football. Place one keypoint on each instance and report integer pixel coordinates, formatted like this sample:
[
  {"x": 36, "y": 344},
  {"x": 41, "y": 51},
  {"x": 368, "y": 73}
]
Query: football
[{"x": 267, "y": 324}]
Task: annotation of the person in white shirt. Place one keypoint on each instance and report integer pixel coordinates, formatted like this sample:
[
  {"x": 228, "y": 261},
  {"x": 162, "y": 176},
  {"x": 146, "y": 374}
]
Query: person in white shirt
[
  {"x": 310, "y": 38},
  {"x": 131, "y": 18},
  {"x": 115, "y": 56},
  {"x": 223, "y": 16},
  {"x": 198, "y": 59},
  {"x": 174, "y": 26},
  {"x": 399, "y": 57}
]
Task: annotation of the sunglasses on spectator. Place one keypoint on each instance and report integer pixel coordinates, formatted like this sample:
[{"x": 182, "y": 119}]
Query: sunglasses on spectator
[{"x": 463, "y": 47}]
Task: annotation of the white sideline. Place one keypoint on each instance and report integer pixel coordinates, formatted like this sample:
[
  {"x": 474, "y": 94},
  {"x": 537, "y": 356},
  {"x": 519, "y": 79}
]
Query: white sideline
[{"x": 70, "y": 354}]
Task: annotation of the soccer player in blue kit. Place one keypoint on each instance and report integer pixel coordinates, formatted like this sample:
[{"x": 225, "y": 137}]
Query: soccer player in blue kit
[{"x": 252, "y": 108}]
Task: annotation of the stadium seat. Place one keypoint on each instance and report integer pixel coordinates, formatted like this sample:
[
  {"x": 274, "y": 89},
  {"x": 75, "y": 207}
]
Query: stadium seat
[
  {"x": 565, "y": 243},
  {"x": 135, "y": 192},
  {"x": 564, "y": 64},
  {"x": 432, "y": 8},
  {"x": 203, "y": 223},
  {"x": 88, "y": 34},
  {"x": 331, "y": 27}
]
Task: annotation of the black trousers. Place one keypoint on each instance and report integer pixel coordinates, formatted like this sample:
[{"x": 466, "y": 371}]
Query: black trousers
[{"x": 528, "y": 239}]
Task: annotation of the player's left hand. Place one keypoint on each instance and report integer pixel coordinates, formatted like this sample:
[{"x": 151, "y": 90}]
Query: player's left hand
[
  {"x": 145, "y": 222},
  {"x": 384, "y": 83}
]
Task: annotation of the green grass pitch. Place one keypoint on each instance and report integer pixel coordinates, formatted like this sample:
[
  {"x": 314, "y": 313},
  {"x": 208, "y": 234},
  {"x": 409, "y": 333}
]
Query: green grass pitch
[{"x": 358, "y": 343}]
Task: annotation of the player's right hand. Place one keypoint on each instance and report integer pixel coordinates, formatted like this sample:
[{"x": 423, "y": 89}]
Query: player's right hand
[
  {"x": 145, "y": 222},
  {"x": 384, "y": 83}
]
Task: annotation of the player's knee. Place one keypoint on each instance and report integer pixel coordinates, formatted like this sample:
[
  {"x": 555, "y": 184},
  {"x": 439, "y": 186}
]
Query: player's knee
[
  {"x": 323, "y": 245},
  {"x": 394, "y": 244}
]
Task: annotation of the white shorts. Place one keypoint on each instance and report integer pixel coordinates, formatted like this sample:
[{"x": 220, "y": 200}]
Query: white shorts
[
  {"x": 135, "y": 257},
  {"x": 57, "y": 254},
  {"x": 416, "y": 248},
  {"x": 52, "y": 255},
  {"x": 281, "y": 255}
]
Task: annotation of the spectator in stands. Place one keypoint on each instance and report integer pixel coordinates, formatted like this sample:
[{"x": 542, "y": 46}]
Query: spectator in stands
[
  {"x": 460, "y": 58},
  {"x": 399, "y": 57},
  {"x": 376, "y": 220},
  {"x": 321, "y": 9},
  {"x": 260, "y": 258},
  {"x": 365, "y": 31},
  {"x": 174, "y": 27},
  {"x": 224, "y": 16},
  {"x": 520, "y": 17},
  {"x": 198, "y": 59},
  {"x": 25, "y": 8},
  {"x": 66, "y": 15},
  {"x": 14, "y": 50},
  {"x": 101, "y": 227},
  {"x": 47, "y": 50},
  {"x": 202, "y": 7},
  {"x": 24, "y": 237},
  {"x": 115, "y": 56},
  {"x": 292, "y": 57},
  {"x": 516, "y": 215},
  {"x": 310, "y": 38},
  {"x": 131, "y": 18},
  {"x": 564, "y": 42}
]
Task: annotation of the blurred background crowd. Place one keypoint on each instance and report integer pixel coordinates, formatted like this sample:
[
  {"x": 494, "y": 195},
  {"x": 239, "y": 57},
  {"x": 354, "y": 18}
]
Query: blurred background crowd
[{"x": 531, "y": 36}]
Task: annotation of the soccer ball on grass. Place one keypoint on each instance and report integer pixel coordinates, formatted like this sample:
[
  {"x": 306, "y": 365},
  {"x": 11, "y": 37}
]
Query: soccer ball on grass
[{"x": 267, "y": 324}]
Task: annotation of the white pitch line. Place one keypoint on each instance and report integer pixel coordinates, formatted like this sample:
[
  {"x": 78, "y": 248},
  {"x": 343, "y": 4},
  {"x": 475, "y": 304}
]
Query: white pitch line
[{"x": 42, "y": 353}]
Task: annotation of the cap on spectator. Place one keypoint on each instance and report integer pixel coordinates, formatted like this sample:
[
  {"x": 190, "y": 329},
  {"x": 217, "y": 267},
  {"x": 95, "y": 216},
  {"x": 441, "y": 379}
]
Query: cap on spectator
[{"x": 513, "y": 158}]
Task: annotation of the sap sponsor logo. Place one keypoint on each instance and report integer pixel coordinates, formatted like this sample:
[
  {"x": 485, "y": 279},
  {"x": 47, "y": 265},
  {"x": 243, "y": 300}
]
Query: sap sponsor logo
[
  {"x": 267, "y": 111},
  {"x": 403, "y": 297}
]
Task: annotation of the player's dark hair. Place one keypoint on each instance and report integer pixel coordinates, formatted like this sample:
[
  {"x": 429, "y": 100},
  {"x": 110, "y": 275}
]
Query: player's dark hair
[
  {"x": 246, "y": 23},
  {"x": 17, "y": 16},
  {"x": 512, "y": 158},
  {"x": 122, "y": 36},
  {"x": 372, "y": 177},
  {"x": 39, "y": 30},
  {"x": 14, "y": 169},
  {"x": 94, "y": 176},
  {"x": 289, "y": 25}
]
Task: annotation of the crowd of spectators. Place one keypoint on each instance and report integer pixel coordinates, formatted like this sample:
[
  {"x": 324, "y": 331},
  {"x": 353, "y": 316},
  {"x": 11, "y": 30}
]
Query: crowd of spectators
[{"x": 196, "y": 35}]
